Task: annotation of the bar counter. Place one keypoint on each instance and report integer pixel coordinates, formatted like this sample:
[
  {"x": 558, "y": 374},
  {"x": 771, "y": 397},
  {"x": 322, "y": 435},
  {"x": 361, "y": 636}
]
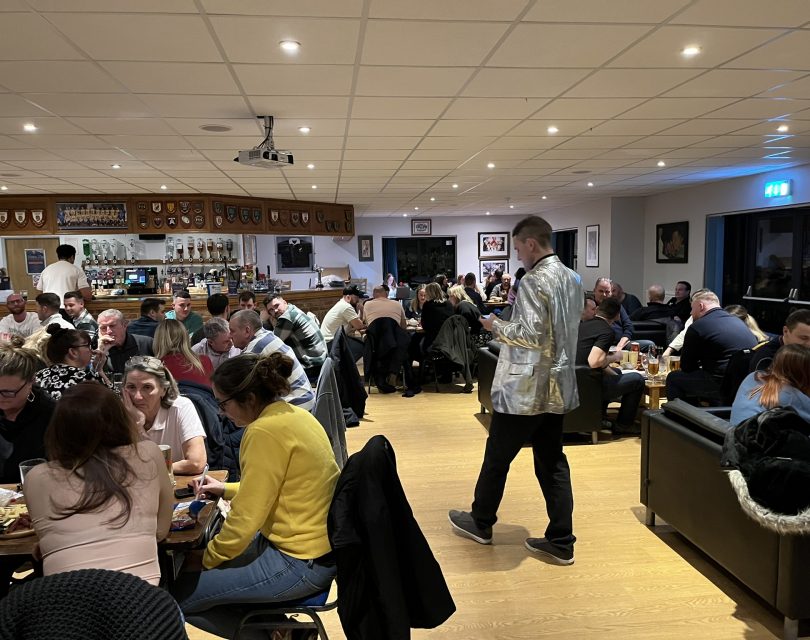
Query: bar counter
[{"x": 318, "y": 301}]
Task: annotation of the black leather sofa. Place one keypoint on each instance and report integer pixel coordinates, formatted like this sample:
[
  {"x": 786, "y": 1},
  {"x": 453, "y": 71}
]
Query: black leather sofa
[
  {"x": 585, "y": 418},
  {"x": 654, "y": 330},
  {"x": 681, "y": 480}
]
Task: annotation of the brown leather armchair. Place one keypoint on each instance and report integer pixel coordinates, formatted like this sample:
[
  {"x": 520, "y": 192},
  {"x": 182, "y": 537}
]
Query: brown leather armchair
[{"x": 586, "y": 417}]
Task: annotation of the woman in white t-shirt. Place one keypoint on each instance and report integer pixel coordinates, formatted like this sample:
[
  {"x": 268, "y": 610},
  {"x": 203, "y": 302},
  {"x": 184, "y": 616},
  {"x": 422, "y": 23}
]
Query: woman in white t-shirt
[{"x": 151, "y": 395}]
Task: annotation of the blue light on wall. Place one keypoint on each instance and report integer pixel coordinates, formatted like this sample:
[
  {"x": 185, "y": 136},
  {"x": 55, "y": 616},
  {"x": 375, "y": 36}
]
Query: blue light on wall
[{"x": 778, "y": 189}]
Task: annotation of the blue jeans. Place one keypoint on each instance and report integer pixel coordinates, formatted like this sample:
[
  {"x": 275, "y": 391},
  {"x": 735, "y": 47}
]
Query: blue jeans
[{"x": 262, "y": 574}]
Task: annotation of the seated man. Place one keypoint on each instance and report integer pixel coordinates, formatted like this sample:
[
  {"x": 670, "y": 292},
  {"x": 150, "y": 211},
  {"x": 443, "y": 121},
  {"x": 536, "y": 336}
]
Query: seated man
[
  {"x": 247, "y": 300},
  {"x": 502, "y": 289},
  {"x": 217, "y": 343},
  {"x": 681, "y": 304},
  {"x": 299, "y": 332},
  {"x": 593, "y": 349},
  {"x": 249, "y": 336},
  {"x": 629, "y": 302},
  {"x": 218, "y": 306},
  {"x": 19, "y": 322},
  {"x": 151, "y": 315},
  {"x": 381, "y": 306},
  {"x": 344, "y": 314},
  {"x": 589, "y": 310},
  {"x": 656, "y": 308},
  {"x": 48, "y": 305},
  {"x": 181, "y": 310},
  {"x": 115, "y": 344},
  {"x": 74, "y": 307},
  {"x": 471, "y": 289},
  {"x": 621, "y": 326},
  {"x": 795, "y": 331},
  {"x": 715, "y": 335}
]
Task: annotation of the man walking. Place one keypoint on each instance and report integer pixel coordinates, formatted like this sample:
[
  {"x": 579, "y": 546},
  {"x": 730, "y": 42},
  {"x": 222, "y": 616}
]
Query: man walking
[{"x": 534, "y": 386}]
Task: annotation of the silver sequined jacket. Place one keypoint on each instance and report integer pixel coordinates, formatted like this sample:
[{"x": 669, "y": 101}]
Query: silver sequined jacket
[{"x": 535, "y": 371}]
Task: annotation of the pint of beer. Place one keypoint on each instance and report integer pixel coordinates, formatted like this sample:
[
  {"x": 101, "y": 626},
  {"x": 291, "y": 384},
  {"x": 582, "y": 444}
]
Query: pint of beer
[{"x": 674, "y": 363}]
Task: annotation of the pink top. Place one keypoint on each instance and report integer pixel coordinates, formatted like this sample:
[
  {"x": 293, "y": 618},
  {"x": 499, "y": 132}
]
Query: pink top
[
  {"x": 182, "y": 370},
  {"x": 85, "y": 540}
]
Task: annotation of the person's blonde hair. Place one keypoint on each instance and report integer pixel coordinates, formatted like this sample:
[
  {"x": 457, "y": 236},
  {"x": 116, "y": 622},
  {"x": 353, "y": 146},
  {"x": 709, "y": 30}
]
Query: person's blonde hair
[
  {"x": 433, "y": 291},
  {"x": 37, "y": 342},
  {"x": 18, "y": 361},
  {"x": 155, "y": 368},
  {"x": 706, "y": 294},
  {"x": 457, "y": 292},
  {"x": 171, "y": 337}
]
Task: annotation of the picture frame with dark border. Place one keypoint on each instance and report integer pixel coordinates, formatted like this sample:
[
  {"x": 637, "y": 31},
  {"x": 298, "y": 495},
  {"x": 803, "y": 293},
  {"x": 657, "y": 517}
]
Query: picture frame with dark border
[
  {"x": 672, "y": 242},
  {"x": 365, "y": 248},
  {"x": 493, "y": 244},
  {"x": 421, "y": 227},
  {"x": 592, "y": 245},
  {"x": 488, "y": 267}
]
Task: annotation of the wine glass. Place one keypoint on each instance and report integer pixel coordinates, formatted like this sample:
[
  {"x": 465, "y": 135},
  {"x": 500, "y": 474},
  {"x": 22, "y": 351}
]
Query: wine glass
[{"x": 652, "y": 365}]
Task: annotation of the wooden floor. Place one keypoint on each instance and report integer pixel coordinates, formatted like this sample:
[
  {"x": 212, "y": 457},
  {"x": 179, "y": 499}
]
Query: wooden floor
[{"x": 628, "y": 581}]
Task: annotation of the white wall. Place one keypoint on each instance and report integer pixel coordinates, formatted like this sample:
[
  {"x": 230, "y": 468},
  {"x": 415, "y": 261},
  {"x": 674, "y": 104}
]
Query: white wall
[
  {"x": 696, "y": 203},
  {"x": 627, "y": 245}
]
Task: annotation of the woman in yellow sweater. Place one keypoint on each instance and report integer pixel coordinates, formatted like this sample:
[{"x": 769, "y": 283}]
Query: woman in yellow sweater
[{"x": 273, "y": 546}]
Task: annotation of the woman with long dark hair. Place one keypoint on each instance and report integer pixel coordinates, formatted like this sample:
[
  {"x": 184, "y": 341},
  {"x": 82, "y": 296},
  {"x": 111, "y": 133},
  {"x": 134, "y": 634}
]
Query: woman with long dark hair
[
  {"x": 104, "y": 500},
  {"x": 274, "y": 544},
  {"x": 785, "y": 384},
  {"x": 69, "y": 352}
]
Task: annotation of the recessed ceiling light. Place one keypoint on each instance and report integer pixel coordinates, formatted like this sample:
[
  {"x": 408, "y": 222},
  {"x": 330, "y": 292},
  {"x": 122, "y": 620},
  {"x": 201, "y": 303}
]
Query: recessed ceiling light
[
  {"x": 545, "y": 197},
  {"x": 404, "y": 215},
  {"x": 290, "y": 46},
  {"x": 304, "y": 129},
  {"x": 487, "y": 212},
  {"x": 3, "y": 188},
  {"x": 163, "y": 187},
  {"x": 310, "y": 166},
  {"x": 590, "y": 184},
  {"x": 511, "y": 206},
  {"x": 215, "y": 128},
  {"x": 416, "y": 208},
  {"x": 455, "y": 186},
  {"x": 116, "y": 166},
  {"x": 29, "y": 126},
  {"x": 314, "y": 186},
  {"x": 552, "y": 129},
  {"x": 783, "y": 128},
  {"x": 490, "y": 165},
  {"x": 691, "y": 51},
  {"x": 432, "y": 199},
  {"x": 661, "y": 163}
]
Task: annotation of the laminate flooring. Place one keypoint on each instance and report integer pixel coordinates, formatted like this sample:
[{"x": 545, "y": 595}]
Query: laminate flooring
[{"x": 628, "y": 581}]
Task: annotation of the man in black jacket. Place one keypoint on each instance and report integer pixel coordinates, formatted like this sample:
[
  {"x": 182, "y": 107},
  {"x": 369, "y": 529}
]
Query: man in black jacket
[
  {"x": 656, "y": 309},
  {"x": 151, "y": 315},
  {"x": 116, "y": 345},
  {"x": 681, "y": 305}
]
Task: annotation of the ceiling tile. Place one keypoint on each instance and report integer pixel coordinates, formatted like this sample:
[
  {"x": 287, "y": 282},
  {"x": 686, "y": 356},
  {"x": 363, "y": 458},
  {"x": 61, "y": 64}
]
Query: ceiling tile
[
  {"x": 373, "y": 142},
  {"x": 598, "y": 142},
  {"x": 566, "y": 128},
  {"x": 145, "y": 142},
  {"x": 599, "y": 11},
  {"x": 631, "y": 127},
  {"x": 503, "y": 10},
  {"x": 494, "y": 108},
  {"x": 46, "y": 126},
  {"x": 133, "y": 37},
  {"x": 640, "y": 83},
  {"x": 440, "y": 44},
  {"x": 256, "y": 39},
  {"x": 186, "y": 106},
  {"x": 791, "y": 51},
  {"x": 299, "y": 80},
  {"x": 173, "y": 77},
  {"x": 471, "y": 127},
  {"x": 522, "y": 83},
  {"x": 586, "y": 108},
  {"x": 300, "y": 106},
  {"x": 316, "y": 8},
  {"x": 63, "y": 141},
  {"x": 662, "y": 48},
  {"x": 710, "y": 126},
  {"x": 735, "y": 83},
  {"x": 109, "y": 6},
  {"x": 761, "y": 108},
  {"x": 784, "y": 13},
  {"x": 797, "y": 89},
  {"x": 361, "y": 127},
  {"x": 545, "y": 45},
  {"x": 398, "y": 108},
  {"x": 126, "y": 126},
  {"x": 57, "y": 76},
  {"x": 410, "y": 81},
  {"x": 26, "y": 36},
  {"x": 119, "y": 105},
  {"x": 676, "y": 107}
]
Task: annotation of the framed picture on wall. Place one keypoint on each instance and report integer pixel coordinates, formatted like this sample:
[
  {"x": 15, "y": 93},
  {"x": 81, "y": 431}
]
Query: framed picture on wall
[
  {"x": 592, "y": 245},
  {"x": 365, "y": 248},
  {"x": 672, "y": 242},
  {"x": 487, "y": 267},
  {"x": 421, "y": 227},
  {"x": 493, "y": 244}
]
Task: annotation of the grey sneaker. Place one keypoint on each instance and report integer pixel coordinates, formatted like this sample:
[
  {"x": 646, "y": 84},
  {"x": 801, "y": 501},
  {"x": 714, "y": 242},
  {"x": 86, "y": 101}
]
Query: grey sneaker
[
  {"x": 465, "y": 526},
  {"x": 547, "y": 551}
]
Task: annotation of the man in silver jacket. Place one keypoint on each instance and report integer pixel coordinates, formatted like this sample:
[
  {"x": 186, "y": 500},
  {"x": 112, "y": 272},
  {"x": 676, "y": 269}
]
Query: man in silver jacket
[{"x": 534, "y": 386}]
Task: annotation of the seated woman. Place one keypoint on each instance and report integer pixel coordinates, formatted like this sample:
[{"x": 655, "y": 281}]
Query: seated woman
[
  {"x": 414, "y": 310},
  {"x": 434, "y": 312},
  {"x": 274, "y": 544},
  {"x": 104, "y": 500},
  {"x": 465, "y": 307},
  {"x": 172, "y": 345},
  {"x": 151, "y": 392},
  {"x": 785, "y": 384},
  {"x": 742, "y": 313},
  {"x": 70, "y": 353}
]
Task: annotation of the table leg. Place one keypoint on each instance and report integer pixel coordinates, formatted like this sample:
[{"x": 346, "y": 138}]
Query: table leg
[{"x": 655, "y": 397}]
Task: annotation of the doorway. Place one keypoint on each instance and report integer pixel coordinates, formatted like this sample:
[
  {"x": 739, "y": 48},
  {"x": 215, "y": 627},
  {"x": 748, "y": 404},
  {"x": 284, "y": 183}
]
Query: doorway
[
  {"x": 21, "y": 280},
  {"x": 418, "y": 260},
  {"x": 564, "y": 244}
]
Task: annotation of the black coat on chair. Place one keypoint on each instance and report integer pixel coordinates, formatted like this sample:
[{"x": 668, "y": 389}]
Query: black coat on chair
[
  {"x": 388, "y": 579},
  {"x": 386, "y": 349}
]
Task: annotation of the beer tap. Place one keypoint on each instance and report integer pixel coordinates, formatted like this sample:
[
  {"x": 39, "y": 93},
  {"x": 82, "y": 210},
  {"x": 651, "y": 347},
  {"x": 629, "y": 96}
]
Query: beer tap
[
  {"x": 170, "y": 249},
  {"x": 190, "y": 246},
  {"x": 209, "y": 243},
  {"x": 114, "y": 252},
  {"x": 132, "y": 250},
  {"x": 220, "y": 248},
  {"x": 201, "y": 249},
  {"x": 94, "y": 246},
  {"x": 86, "y": 252},
  {"x": 180, "y": 247},
  {"x": 104, "y": 248},
  {"x": 229, "y": 248}
]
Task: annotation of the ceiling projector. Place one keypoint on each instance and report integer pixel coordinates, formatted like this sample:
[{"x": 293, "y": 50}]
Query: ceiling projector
[{"x": 264, "y": 154}]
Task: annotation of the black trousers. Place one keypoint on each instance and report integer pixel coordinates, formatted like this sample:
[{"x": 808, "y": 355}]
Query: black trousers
[
  {"x": 507, "y": 435},
  {"x": 693, "y": 385}
]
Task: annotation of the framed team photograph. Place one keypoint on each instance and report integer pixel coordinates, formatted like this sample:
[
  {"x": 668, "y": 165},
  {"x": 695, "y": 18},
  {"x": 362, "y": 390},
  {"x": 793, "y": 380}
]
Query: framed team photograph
[
  {"x": 72, "y": 216},
  {"x": 493, "y": 245},
  {"x": 487, "y": 267}
]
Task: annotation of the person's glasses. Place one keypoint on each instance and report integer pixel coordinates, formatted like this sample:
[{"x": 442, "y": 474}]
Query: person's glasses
[
  {"x": 5, "y": 393},
  {"x": 79, "y": 346},
  {"x": 221, "y": 403}
]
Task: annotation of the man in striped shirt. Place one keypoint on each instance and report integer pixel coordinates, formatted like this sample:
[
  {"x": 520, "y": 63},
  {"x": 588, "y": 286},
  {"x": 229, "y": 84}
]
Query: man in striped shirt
[
  {"x": 247, "y": 334},
  {"x": 299, "y": 332}
]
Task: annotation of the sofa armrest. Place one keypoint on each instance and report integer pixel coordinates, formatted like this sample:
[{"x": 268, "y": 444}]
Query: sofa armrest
[{"x": 702, "y": 421}]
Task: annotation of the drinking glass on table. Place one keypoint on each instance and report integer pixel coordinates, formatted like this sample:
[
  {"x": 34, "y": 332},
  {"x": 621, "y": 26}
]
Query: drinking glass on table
[
  {"x": 27, "y": 465},
  {"x": 652, "y": 365}
]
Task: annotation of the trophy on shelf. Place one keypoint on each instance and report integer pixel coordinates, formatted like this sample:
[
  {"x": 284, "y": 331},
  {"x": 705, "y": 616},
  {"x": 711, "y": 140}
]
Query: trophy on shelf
[
  {"x": 229, "y": 248},
  {"x": 319, "y": 271},
  {"x": 170, "y": 249},
  {"x": 132, "y": 250},
  {"x": 181, "y": 248},
  {"x": 220, "y": 248},
  {"x": 209, "y": 244}
]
